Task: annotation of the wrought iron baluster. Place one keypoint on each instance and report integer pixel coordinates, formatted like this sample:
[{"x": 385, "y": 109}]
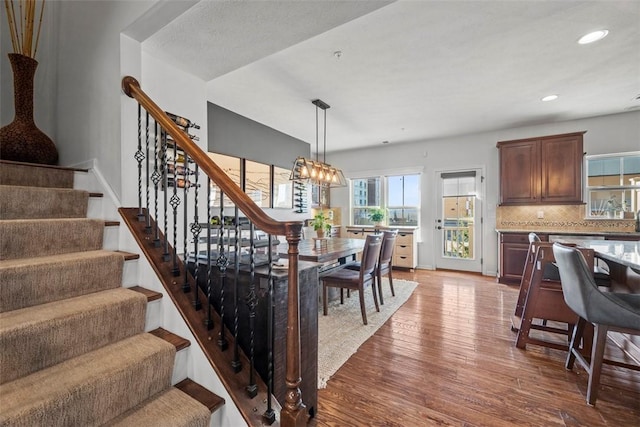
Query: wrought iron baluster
[
  {"x": 208, "y": 322},
  {"x": 155, "y": 178},
  {"x": 147, "y": 228},
  {"x": 166, "y": 256},
  {"x": 195, "y": 231},
  {"x": 222, "y": 263},
  {"x": 139, "y": 156},
  {"x": 175, "y": 202},
  {"x": 186, "y": 286},
  {"x": 252, "y": 303},
  {"x": 236, "y": 364},
  {"x": 270, "y": 415}
]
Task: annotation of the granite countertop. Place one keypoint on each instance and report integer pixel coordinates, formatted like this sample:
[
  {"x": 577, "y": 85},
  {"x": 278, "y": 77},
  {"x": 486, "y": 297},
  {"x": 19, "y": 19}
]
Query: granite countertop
[
  {"x": 623, "y": 252},
  {"x": 572, "y": 233}
]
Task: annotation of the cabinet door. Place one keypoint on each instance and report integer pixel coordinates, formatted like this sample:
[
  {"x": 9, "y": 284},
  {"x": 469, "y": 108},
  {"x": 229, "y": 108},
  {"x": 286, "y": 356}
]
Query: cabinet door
[
  {"x": 356, "y": 234},
  {"x": 561, "y": 169},
  {"x": 512, "y": 259},
  {"x": 519, "y": 172}
]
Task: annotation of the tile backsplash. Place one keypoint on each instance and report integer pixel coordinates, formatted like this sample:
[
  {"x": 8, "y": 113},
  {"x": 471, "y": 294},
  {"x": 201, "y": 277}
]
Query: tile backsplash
[{"x": 557, "y": 218}]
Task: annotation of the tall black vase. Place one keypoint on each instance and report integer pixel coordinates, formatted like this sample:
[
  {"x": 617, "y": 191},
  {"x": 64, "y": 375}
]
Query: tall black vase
[{"x": 21, "y": 140}]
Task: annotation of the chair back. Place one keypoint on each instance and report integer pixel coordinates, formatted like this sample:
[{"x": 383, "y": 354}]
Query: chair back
[
  {"x": 533, "y": 237},
  {"x": 370, "y": 255},
  {"x": 578, "y": 285},
  {"x": 388, "y": 244}
]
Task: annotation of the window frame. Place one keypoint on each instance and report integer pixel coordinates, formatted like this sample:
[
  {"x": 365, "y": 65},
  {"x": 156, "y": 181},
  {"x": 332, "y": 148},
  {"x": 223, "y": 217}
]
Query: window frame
[
  {"x": 383, "y": 179},
  {"x": 589, "y": 189}
]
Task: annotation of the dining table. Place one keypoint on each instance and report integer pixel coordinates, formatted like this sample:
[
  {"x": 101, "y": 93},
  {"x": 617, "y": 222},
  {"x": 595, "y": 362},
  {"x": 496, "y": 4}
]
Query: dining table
[{"x": 331, "y": 252}]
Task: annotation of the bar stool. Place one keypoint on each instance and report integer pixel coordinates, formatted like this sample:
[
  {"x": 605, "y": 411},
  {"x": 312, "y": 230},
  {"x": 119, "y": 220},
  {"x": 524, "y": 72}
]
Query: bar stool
[{"x": 606, "y": 311}]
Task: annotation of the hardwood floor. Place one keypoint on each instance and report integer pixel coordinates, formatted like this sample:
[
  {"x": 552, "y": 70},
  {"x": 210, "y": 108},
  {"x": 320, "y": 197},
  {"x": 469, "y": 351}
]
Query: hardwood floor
[{"x": 448, "y": 357}]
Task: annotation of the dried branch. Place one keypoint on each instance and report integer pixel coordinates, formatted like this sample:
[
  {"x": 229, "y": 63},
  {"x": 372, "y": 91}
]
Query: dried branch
[{"x": 22, "y": 29}]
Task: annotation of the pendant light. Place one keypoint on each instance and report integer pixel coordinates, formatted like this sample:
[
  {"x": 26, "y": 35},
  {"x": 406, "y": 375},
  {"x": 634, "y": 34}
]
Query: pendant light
[{"x": 315, "y": 171}]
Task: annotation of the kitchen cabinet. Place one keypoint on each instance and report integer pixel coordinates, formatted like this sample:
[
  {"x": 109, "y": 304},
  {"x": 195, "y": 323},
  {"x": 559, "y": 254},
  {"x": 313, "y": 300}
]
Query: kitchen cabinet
[
  {"x": 513, "y": 254},
  {"x": 542, "y": 170},
  {"x": 405, "y": 253}
]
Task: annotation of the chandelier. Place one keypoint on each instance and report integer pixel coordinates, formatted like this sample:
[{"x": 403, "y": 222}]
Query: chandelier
[{"x": 315, "y": 171}]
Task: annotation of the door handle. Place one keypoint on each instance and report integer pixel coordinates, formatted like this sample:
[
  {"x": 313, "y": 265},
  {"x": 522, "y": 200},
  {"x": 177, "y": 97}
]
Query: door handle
[{"x": 439, "y": 228}]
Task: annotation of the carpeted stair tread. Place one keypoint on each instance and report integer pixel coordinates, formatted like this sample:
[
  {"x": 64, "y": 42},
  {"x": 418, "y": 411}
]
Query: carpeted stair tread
[
  {"x": 40, "y": 237},
  {"x": 18, "y": 173},
  {"x": 90, "y": 389},
  {"x": 31, "y": 281},
  {"x": 177, "y": 409},
  {"x": 34, "y": 338},
  {"x": 72, "y": 347},
  {"x": 17, "y": 202}
]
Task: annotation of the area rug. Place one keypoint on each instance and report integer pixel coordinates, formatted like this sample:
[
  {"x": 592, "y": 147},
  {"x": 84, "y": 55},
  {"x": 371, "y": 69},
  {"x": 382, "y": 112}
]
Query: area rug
[{"x": 341, "y": 332}]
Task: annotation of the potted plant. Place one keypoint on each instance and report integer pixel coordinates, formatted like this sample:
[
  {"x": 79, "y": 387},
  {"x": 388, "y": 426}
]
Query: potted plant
[
  {"x": 321, "y": 224},
  {"x": 376, "y": 215}
]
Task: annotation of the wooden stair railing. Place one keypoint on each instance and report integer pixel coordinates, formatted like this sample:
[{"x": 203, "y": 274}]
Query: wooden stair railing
[{"x": 293, "y": 412}]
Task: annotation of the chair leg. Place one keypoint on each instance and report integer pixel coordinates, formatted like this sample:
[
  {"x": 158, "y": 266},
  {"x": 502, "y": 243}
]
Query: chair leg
[
  {"x": 597, "y": 354},
  {"x": 379, "y": 280},
  {"x": 374, "y": 292},
  {"x": 362, "y": 307},
  {"x": 390, "y": 275},
  {"x": 574, "y": 346},
  {"x": 341, "y": 295}
]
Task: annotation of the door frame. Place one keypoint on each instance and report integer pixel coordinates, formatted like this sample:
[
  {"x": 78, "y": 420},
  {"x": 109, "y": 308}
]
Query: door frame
[{"x": 476, "y": 265}]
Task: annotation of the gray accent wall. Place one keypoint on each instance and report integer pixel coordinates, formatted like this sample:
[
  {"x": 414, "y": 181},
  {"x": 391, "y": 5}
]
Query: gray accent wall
[{"x": 235, "y": 135}]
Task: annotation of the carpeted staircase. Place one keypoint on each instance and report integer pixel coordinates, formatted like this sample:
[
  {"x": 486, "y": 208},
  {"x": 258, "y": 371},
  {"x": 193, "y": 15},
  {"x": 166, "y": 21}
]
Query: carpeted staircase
[{"x": 73, "y": 346}]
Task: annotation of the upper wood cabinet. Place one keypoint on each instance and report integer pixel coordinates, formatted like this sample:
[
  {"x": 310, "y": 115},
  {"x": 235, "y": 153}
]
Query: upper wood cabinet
[{"x": 542, "y": 170}]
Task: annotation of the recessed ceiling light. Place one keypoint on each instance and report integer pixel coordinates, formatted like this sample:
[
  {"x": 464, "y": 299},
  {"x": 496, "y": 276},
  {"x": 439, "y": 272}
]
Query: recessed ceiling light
[
  {"x": 593, "y": 37},
  {"x": 549, "y": 98}
]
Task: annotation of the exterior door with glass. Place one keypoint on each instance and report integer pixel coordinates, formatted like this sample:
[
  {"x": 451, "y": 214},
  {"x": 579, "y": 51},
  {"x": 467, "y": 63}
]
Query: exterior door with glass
[{"x": 459, "y": 221}]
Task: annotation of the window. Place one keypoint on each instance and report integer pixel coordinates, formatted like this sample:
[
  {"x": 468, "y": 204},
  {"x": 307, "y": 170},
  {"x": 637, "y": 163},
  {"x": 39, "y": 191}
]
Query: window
[
  {"x": 365, "y": 196},
  {"x": 403, "y": 199},
  {"x": 267, "y": 185},
  {"x": 397, "y": 195},
  {"x": 282, "y": 188},
  {"x": 231, "y": 166},
  {"x": 613, "y": 185},
  {"x": 257, "y": 183}
]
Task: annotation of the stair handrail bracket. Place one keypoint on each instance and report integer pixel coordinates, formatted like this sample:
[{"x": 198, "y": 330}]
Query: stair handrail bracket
[{"x": 293, "y": 411}]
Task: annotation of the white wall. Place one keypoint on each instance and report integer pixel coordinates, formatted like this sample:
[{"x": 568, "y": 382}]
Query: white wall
[
  {"x": 605, "y": 134},
  {"x": 88, "y": 82}
]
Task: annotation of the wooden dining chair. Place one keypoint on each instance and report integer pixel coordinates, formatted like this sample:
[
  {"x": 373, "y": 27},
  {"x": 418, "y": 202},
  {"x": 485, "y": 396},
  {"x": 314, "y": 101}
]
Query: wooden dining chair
[
  {"x": 606, "y": 311},
  {"x": 385, "y": 261},
  {"x": 345, "y": 278}
]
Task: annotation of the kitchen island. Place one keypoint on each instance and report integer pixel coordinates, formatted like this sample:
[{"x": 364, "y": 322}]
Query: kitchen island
[
  {"x": 514, "y": 246},
  {"x": 622, "y": 258}
]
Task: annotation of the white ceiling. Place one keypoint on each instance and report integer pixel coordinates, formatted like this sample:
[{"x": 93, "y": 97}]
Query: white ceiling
[{"x": 409, "y": 70}]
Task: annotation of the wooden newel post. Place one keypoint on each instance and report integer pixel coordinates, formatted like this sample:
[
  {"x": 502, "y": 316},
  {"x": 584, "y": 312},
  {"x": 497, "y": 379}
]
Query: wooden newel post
[{"x": 293, "y": 412}]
